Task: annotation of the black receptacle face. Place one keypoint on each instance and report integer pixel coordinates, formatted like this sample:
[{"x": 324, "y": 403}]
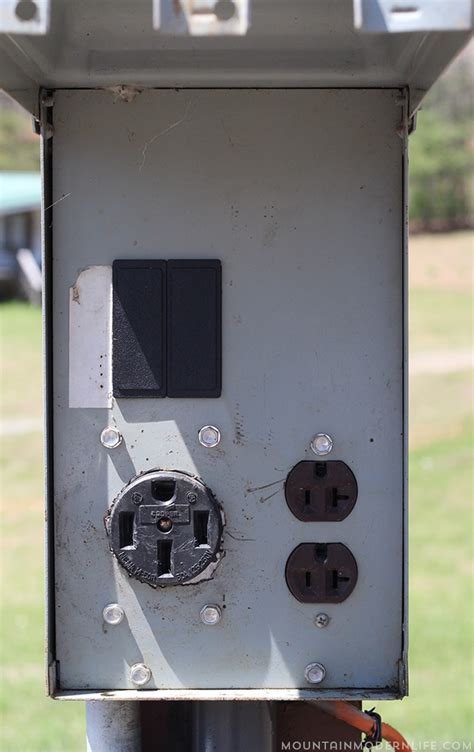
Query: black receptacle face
[
  {"x": 166, "y": 528},
  {"x": 321, "y": 572},
  {"x": 321, "y": 491}
]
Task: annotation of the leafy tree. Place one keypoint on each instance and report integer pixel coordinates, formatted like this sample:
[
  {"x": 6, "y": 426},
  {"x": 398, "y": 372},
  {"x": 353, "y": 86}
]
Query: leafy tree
[
  {"x": 441, "y": 163},
  {"x": 441, "y": 154},
  {"x": 19, "y": 147}
]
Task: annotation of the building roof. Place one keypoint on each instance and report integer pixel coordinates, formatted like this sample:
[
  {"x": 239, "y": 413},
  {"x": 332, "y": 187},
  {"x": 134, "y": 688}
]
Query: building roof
[{"x": 19, "y": 192}]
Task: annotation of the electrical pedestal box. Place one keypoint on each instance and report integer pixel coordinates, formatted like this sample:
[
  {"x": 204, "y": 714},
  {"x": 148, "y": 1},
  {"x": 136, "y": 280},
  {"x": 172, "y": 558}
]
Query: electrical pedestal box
[{"x": 225, "y": 281}]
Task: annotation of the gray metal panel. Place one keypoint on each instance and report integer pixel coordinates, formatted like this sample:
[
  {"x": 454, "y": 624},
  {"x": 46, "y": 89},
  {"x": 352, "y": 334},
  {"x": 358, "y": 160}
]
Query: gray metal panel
[
  {"x": 300, "y": 193},
  {"x": 298, "y": 43},
  {"x": 412, "y": 15},
  {"x": 17, "y": 83}
]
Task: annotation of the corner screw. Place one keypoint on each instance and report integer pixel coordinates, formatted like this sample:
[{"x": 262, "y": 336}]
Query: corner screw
[
  {"x": 110, "y": 437},
  {"x": 210, "y": 614},
  {"x": 321, "y": 620},
  {"x": 314, "y": 673},
  {"x": 140, "y": 674},
  {"x": 137, "y": 498},
  {"x": 113, "y": 614},
  {"x": 209, "y": 437},
  {"x": 192, "y": 497},
  {"x": 321, "y": 444}
]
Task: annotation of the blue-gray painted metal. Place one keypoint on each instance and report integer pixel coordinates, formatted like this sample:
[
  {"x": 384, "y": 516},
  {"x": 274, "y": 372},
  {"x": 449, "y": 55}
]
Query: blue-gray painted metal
[
  {"x": 309, "y": 224},
  {"x": 93, "y": 44},
  {"x": 407, "y": 16}
]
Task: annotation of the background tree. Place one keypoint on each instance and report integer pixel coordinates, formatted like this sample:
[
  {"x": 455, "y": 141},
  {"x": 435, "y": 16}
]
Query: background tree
[{"x": 441, "y": 153}]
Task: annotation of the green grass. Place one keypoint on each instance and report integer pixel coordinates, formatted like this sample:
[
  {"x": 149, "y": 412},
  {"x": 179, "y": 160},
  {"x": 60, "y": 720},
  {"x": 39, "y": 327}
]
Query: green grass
[
  {"x": 439, "y": 406},
  {"x": 440, "y": 319},
  {"x": 441, "y": 491},
  {"x": 441, "y": 612},
  {"x": 30, "y": 721},
  {"x": 20, "y": 361}
]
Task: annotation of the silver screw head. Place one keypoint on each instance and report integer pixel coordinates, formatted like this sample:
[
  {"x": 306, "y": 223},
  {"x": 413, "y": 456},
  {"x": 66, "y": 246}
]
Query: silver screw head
[
  {"x": 140, "y": 674},
  {"x": 210, "y": 614},
  {"x": 110, "y": 437},
  {"x": 113, "y": 614},
  {"x": 209, "y": 437},
  {"x": 321, "y": 444},
  {"x": 314, "y": 673},
  {"x": 321, "y": 620},
  {"x": 165, "y": 524}
]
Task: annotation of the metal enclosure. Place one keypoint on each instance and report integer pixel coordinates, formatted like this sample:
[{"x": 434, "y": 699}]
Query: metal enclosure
[
  {"x": 301, "y": 196},
  {"x": 290, "y": 43}
]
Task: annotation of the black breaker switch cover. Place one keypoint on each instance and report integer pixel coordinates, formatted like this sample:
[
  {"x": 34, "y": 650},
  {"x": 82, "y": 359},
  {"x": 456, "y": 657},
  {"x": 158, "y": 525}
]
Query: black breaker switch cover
[
  {"x": 166, "y": 328},
  {"x": 138, "y": 328}
]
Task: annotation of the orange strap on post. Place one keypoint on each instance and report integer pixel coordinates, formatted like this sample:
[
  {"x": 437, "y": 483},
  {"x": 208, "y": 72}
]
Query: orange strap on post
[{"x": 346, "y": 712}]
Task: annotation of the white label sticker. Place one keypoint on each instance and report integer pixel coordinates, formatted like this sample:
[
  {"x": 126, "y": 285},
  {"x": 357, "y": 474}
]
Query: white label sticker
[{"x": 90, "y": 351}]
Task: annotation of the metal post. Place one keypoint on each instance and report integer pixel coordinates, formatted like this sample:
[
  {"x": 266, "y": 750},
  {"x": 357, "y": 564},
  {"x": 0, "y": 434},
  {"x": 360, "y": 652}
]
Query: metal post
[
  {"x": 113, "y": 727},
  {"x": 233, "y": 727}
]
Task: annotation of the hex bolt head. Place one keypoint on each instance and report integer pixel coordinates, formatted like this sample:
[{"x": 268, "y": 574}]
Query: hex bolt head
[
  {"x": 209, "y": 437},
  {"x": 210, "y": 614},
  {"x": 314, "y": 673},
  {"x": 321, "y": 620},
  {"x": 110, "y": 437},
  {"x": 140, "y": 674},
  {"x": 321, "y": 444},
  {"x": 113, "y": 614}
]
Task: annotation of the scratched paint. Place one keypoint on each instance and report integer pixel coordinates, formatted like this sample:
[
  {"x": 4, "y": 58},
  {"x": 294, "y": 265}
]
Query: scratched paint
[{"x": 90, "y": 338}]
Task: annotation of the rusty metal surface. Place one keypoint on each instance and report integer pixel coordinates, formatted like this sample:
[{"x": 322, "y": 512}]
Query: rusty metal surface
[
  {"x": 238, "y": 728},
  {"x": 300, "y": 726}
]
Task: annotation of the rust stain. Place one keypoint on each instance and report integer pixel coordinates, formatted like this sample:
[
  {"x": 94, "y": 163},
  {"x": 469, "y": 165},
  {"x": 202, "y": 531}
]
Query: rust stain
[
  {"x": 239, "y": 427},
  {"x": 76, "y": 294}
]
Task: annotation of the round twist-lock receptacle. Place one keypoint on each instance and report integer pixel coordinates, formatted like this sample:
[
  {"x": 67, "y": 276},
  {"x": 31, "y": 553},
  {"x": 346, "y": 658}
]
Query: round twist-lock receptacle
[{"x": 165, "y": 528}]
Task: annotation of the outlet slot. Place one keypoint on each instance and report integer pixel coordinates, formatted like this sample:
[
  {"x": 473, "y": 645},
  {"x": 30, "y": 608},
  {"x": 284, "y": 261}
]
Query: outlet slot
[
  {"x": 337, "y": 581},
  {"x": 321, "y": 552},
  {"x": 321, "y": 491},
  {"x": 163, "y": 490},
  {"x": 164, "y": 558},
  {"x": 126, "y": 525},
  {"x": 201, "y": 521},
  {"x": 321, "y": 573},
  {"x": 320, "y": 469}
]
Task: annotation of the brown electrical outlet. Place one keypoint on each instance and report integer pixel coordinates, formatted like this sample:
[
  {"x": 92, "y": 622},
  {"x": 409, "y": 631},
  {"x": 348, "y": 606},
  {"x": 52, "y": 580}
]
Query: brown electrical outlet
[
  {"x": 321, "y": 572},
  {"x": 321, "y": 491}
]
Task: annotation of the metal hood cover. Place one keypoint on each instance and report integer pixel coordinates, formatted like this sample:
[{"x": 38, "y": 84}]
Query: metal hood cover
[{"x": 267, "y": 43}]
